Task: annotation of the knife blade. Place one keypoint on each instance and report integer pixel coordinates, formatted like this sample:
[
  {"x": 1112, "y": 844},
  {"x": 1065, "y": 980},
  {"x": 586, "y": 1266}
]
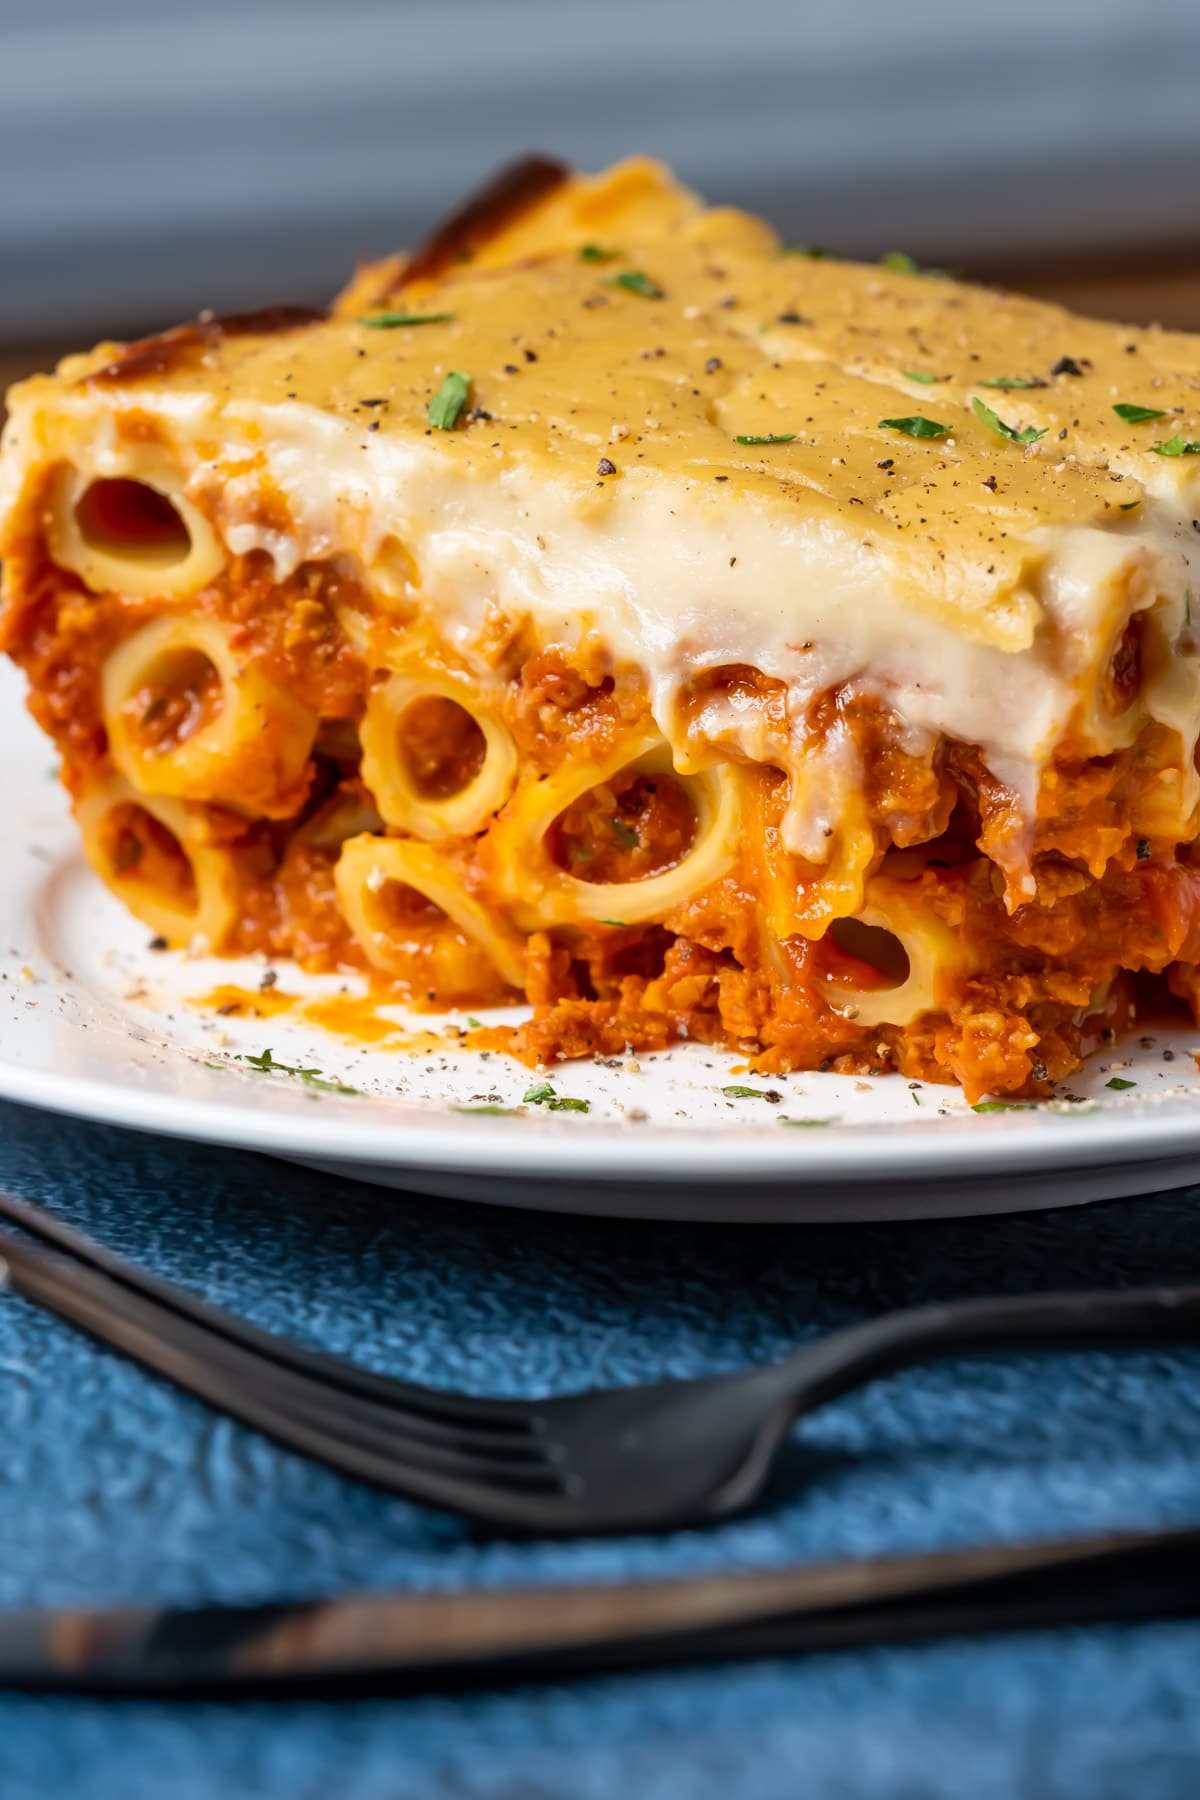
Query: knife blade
[{"x": 556, "y": 1632}]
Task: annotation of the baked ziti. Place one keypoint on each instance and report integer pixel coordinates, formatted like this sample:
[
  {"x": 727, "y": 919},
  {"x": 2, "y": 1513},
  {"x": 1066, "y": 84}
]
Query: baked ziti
[{"x": 611, "y": 606}]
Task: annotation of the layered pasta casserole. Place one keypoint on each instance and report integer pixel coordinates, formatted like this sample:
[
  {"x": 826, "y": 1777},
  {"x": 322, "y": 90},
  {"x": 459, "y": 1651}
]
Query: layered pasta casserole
[{"x": 610, "y": 607}]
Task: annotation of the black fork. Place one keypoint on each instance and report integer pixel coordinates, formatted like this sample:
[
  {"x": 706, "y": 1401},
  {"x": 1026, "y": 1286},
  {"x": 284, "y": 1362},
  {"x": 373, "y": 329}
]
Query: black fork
[{"x": 625, "y": 1459}]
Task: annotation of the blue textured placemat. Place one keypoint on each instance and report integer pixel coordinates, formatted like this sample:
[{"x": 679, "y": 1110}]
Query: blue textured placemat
[{"x": 113, "y": 1486}]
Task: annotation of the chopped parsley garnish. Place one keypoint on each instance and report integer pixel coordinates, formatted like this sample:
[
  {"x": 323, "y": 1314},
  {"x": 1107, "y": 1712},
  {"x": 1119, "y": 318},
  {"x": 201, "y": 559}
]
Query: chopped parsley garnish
[
  {"x": 495, "y": 1112},
  {"x": 449, "y": 401},
  {"x": 542, "y": 1094},
  {"x": 916, "y": 427},
  {"x": 1128, "y": 505},
  {"x": 922, "y": 376},
  {"x": 1177, "y": 446},
  {"x": 474, "y": 1024},
  {"x": 987, "y": 1106},
  {"x": 810, "y": 250},
  {"x": 1028, "y": 434},
  {"x": 1134, "y": 415},
  {"x": 1119, "y": 1084},
  {"x": 634, "y": 281},
  {"x": 772, "y": 437},
  {"x": 625, "y": 834},
  {"x": 387, "y": 321},
  {"x": 808, "y": 1124},
  {"x": 597, "y": 253},
  {"x": 901, "y": 263},
  {"x": 1013, "y": 381},
  {"x": 736, "y": 1092},
  {"x": 266, "y": 1064},
  {"x": 617, "y": 924}
]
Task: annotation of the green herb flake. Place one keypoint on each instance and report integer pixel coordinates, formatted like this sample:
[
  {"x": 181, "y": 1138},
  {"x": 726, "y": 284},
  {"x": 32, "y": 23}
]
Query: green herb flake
[
  {"x": 813, "y": 251},
  {"x": 1177, "y": 446},
  {"x": 388, "y": 321},
  {"x": 1136, "y": 415},
  {"x": 542, "y": 1094},
  {"x": 1119, "y": 1085},
  {"x": 901, "y": 263},
  {"x": 449, "y": 401},
  {"x": 266, "y": 1064},
  {"x": 597, "y": 253},
  {"x": 990, "y": 1106},
  {"x": 774, "y": 437},
  {"x": 634, "y": 281},
  {"x": 1128, "y": 505},
  {"x": 923, "y": 376},
  {"x": 737, "y": 1092},
  {"x": 808, "y": 1124},
  {"x": 1029, "y": 434},
  {"x": 625, "y": 834},
  {"x": 1012, "y": 381},
  {"x": 474, "y": 1024},
  {"x": 915, "y": 427},
  {"x": 493, "y": 1112},
  {"x": 617, "y": 924}
]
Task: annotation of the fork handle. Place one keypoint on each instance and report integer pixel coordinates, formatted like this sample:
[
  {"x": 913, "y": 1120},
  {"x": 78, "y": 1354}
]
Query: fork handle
[{"x": 1100, "y": 1319}]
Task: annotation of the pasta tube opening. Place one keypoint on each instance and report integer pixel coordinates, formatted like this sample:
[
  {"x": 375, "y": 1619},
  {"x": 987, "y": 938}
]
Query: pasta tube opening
[
  {"x": 874, "y": 948},
  {"x": 120, "y": 517},
  {"x": 442, "y": 746},
  {"x": 1123, "y": 676},
  {"x": 413, "y": 918},
  {"x": 535, "y": 848},
  {"x": 892, "y": 961},
  {"x": 640, "y": 823},
  {"x": 187, "y": 718},
  {"x": 438, "y": 761},
  {"x": 133, "y": 533},
  {"x": 153, "y": 857}
]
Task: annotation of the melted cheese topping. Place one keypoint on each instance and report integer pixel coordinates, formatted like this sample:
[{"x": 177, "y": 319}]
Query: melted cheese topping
[{"x": 976, "y": 586}]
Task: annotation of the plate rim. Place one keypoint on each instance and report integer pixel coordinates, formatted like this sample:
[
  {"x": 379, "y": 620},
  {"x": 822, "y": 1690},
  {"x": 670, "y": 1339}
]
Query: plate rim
[{"x": 609, "y": 1150}]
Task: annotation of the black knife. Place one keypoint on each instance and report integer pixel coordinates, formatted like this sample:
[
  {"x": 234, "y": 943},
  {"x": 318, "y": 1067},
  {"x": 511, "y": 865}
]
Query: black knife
[{"x": 411, "y": 1640}]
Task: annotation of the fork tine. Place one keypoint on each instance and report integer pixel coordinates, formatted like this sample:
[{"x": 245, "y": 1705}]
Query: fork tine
[
  {"x": 358, "y": 1439},
  {"x": 481, "y": 1412}
]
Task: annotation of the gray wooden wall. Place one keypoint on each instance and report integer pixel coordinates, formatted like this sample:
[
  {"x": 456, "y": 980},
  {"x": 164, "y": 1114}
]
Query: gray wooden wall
[{"x": 156, "y": 155}]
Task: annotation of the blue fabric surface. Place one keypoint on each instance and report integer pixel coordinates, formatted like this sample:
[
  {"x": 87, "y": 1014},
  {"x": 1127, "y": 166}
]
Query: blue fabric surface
[{"x": 115, "y": 1487}]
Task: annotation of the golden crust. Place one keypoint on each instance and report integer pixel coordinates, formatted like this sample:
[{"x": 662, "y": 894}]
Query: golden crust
[{"x": 744, "y": 341}]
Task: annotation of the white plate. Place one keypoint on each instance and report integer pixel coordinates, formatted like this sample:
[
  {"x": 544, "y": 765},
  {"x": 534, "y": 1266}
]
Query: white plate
[{"x": 95, "y": 1024}]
